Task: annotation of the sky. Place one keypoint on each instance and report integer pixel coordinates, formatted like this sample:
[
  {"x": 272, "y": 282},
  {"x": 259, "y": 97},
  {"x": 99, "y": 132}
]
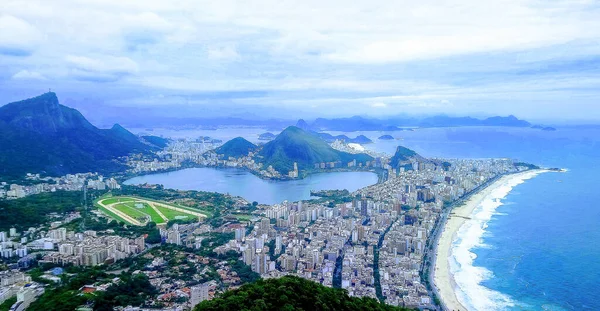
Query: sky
[{"x": 538, "y": 60}]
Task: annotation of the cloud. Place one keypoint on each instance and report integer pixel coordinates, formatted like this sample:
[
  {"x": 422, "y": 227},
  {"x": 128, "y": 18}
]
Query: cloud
[
  {"x": 357, "y": 56},
  {"x": 17, "y": 37},
  {"x": 102, "y": 68},
  {"x": 379, "y": 105},
  {"x": 28, "y": 75},
  {"x": 223, "y": 53}
]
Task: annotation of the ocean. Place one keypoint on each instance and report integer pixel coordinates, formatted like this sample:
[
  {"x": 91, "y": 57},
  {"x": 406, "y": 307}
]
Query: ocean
[{"x": 533, "y": 244}]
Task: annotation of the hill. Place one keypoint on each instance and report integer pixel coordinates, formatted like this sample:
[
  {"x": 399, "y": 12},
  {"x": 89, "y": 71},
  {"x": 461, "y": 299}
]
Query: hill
[
  {"x": 361, "y": 139},
  {"x": 266, "y": 136},
  {"x": 156, "y": 141},
  {"x": 296, "y": 145},
  {"x": 386, "y": 137},
  {"x": 403, "y": 157},
  {"x": 358, "y": 123},
  {"x": 291, "y": 293},
  {"x": 39, "y": 135},
  {"x": 237, "y": 147}
]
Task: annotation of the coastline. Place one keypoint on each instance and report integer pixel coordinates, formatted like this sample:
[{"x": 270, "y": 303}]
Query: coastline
[{"x": 443, "y": 280}]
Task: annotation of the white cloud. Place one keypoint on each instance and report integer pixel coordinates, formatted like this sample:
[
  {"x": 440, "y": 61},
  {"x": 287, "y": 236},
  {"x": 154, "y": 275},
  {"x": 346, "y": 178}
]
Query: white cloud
[
  {"x": 104, "y": 64},
  {"x": 28, "y": 75},
  {"x": 17, "y": 36},
  {"x": 365, "y": 53},
  {"x": 227, "y": 53},
  {"x": 379, "y": 105}
]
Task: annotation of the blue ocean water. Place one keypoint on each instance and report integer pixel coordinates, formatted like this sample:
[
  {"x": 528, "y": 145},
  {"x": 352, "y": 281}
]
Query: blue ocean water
[{"x": 541, "y": 247}]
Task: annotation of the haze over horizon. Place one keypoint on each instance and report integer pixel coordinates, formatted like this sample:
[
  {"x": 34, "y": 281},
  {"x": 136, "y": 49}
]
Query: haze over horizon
[{"x": 538, "y": 61}]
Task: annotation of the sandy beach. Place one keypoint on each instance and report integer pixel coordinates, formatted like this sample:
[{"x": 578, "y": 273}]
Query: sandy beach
[{"x": 442, "y": 277}]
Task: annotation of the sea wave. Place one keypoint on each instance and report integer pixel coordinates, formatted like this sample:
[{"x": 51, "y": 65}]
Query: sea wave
[{"x": 467, "y": 277}]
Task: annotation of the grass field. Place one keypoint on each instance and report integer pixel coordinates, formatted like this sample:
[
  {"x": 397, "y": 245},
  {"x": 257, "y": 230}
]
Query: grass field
[
  {"x": 140, "y": 210},
  {"x": 172, "y": 214}
]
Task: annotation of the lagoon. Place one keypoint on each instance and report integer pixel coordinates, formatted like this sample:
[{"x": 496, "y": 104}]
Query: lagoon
[{"x": 242, "y": 183}]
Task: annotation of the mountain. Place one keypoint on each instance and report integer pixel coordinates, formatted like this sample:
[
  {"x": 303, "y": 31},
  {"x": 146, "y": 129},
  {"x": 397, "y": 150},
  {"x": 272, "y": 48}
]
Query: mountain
[
  {"x": 386, "y": 137},
  {"x": 303, "y": 125},
  {"x": 237, "y": 147},
  {"x": 156, "y": 141},
  {"x": 296, "y": 145},
  {"x": 505, "y": 121},
  {"x": 361, "y": 139},
  {"x": 39, "y": 135},
  {"x": 358, "y": 123},
  {"x": 404, "y": 157},
  {"x": 543, "y": 128},
  {"x": 330, "y": 138},
  {"x": 266, "y": 136},
  {"x": 352, "y": 124},
  {"x": 291, "y": 293}
]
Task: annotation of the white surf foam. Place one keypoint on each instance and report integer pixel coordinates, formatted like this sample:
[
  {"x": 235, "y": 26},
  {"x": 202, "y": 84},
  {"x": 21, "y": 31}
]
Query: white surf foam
[{"x": 468, "y": 278}]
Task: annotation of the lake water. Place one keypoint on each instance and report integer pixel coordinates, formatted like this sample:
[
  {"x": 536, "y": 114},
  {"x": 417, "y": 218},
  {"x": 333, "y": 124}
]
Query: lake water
[{"x": 242, "y": 183}]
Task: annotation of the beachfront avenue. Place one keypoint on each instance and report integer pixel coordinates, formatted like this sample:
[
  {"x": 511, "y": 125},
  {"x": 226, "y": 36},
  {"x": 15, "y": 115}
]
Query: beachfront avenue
[{"x": 378, "y": 243}]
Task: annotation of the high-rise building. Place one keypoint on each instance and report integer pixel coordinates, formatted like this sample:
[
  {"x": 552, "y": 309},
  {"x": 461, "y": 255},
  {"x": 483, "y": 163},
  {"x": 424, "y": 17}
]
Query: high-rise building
[{"x": 199, "y": 293}]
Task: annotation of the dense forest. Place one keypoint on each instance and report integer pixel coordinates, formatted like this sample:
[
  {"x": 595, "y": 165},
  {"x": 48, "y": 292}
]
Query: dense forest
[
  {"x": 291, "y": 293},
  {"x": 34, "y": 210}
]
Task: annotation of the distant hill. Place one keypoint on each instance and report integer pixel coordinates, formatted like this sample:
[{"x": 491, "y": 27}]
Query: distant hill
[
  {"x": 361, "y": 139},
  {"x": 303, "y": 125},
  {"x": 358, "y": 123},
  {"x": 266, "y": 136},
  {"x": 296, "y": 145},
  {"x": 39, "y": 135},
  {"x": 543, "y": 128},
  {"x": 156, "y": 141},
  {"x": 237, "y": 147},
  {"x": 403, "y": 157},
  {"x": 291, "y": 293},
  {"x": 386, "y": 137},
  {"x": 352, "y": 124}
]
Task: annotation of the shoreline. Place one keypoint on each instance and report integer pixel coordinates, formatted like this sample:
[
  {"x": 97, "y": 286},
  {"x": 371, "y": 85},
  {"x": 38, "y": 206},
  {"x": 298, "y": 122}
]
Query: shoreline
[{"x": 443, "y": 281}]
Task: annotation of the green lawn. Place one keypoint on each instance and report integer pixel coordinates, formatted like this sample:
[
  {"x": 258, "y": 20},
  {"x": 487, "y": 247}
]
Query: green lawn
[
  {"x": 191, "y": 209},
  {"x": 243, "y": 217},
  {"x": 131, "y": 211},
  {"x": 127, "y": 206},
  {"x": 115, "y": 200},
  {"x": 112, "y": 215},
  {"x": 148, "y": 211},
  {"x": 171, "y": 214}
]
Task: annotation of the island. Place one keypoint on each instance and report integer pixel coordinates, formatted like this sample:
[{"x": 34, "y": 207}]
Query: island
[
  {"x": 266, "y": 136},
  {"x": 386, "y": 137}
]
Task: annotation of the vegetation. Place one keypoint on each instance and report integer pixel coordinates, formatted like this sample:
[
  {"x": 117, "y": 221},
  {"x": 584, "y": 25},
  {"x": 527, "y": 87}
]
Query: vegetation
[
  {"x": 5, "y": 306},
  {"x": 142, "y": 211},
  {"x": 296, "y": 145},
  {"x": 237, "y": 147},
  {"x": 206, "y": 202},
  {"x": 131, "y": 290},
  {"x": 402, "y": 155},
  {"x": 290, "y": 293},
  {"x": 49, "y": 138},
  {"x": 35, "y": 210},
  {"x": 128, "y": 290},
  {"x": 156, "y": 141},
  {"x": 529, "y": 166}
]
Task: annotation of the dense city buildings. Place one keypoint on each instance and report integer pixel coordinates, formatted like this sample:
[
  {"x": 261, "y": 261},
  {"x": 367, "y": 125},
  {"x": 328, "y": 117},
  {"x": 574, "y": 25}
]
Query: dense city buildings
[
  {"x": 375, "y": 244},
  {"x": 69, "y": 182}
]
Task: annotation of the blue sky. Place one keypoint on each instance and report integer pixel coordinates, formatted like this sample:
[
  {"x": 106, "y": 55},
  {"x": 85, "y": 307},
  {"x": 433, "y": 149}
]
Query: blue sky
[{"x": 539, "y": 60}]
